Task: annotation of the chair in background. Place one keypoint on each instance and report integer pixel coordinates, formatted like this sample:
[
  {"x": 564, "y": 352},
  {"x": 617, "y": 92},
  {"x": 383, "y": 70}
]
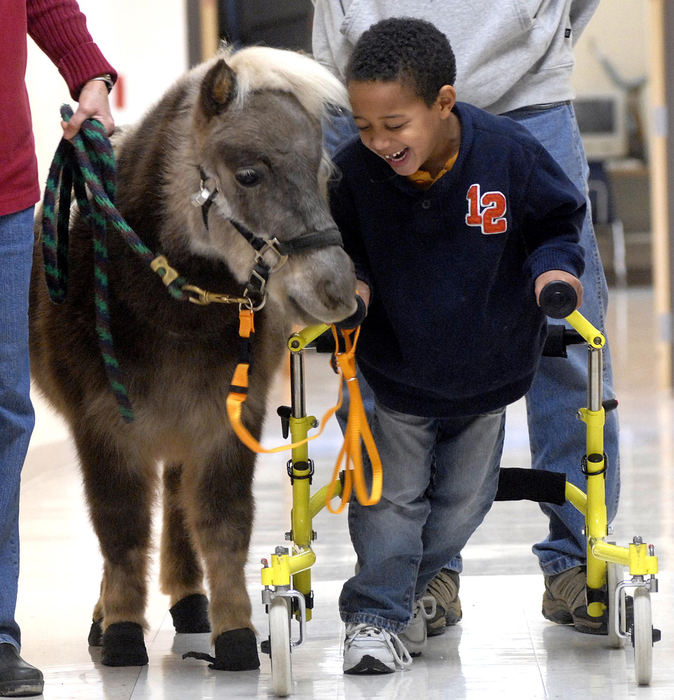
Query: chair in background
[{"x": 604, "y": 213}]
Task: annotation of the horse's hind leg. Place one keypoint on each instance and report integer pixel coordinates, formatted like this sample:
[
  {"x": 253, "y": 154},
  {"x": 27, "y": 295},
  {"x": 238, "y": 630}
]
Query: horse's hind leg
[
  {"x": 181, "y": 575},
  {"x": 120, "y": 489},
  {"x": 95, "y": 638},
  {"x": 219, "y": 508}
]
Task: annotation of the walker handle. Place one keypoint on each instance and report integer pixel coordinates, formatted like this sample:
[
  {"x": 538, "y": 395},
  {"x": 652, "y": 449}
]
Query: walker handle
[{"x": 558, "y": 299}]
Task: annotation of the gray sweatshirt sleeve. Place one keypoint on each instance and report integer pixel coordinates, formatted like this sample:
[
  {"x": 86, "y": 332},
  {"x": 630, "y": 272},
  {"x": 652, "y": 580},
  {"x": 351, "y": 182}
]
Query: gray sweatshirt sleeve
[{"x": 330, "y": 47}]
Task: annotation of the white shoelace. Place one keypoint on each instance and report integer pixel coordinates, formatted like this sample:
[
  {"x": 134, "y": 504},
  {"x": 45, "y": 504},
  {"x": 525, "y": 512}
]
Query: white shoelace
[{"x": 400, "y": 654}]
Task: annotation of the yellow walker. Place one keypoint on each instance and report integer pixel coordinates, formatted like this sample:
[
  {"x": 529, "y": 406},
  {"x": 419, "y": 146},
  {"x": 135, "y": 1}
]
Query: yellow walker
[
  {"x": 628, "y": 616},
  {"x": 286, "y": 577}
]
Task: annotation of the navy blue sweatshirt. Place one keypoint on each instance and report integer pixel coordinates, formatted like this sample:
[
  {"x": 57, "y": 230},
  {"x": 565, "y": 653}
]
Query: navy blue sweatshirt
[{"x": 453, "y": 327}]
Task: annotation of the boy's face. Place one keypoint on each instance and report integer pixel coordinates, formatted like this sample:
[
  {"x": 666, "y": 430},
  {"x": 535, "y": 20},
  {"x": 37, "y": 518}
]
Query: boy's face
[{"x": 400, "y": 127}]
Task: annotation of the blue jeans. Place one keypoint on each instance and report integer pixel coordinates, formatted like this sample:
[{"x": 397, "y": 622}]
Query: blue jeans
[
  {"x": 441, "y": 476},
  {"x": 556, "y": 437},
  {"x": 16, "y": 410}
]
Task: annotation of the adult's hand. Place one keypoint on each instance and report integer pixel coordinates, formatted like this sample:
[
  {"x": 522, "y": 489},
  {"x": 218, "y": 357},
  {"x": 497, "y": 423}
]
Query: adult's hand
[{"x": 93, "y": 104}]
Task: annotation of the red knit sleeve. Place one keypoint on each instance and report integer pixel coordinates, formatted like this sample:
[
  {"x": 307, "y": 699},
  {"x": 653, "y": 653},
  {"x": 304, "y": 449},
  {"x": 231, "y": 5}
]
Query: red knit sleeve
[{"x": 59, "y": 28}]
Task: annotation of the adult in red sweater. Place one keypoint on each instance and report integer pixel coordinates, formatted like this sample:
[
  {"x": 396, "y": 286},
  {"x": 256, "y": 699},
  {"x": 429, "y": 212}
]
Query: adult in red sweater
[{"x": 59, "y": 29}]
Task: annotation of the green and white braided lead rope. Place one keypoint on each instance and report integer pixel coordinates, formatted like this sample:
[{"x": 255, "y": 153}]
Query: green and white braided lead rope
[{"x": 88, "y": 163}]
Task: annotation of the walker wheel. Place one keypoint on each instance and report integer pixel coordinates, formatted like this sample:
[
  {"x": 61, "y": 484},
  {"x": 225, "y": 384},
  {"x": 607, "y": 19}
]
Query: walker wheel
[
  {"x": 642, "y": 636},
  {"x": 279, "y": 634}
]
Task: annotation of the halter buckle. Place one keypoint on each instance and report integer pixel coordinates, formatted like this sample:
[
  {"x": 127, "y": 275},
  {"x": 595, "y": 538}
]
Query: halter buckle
[
  {"x": 205, "y": 192},
  {"x": 258, "y": 289},
  {"x": 200, "y": 198},
  {"x": 271, "y": 245}
]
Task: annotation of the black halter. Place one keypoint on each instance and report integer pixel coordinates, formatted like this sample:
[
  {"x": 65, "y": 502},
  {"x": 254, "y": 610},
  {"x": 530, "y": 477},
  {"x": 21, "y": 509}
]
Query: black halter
[{"x": 262, "y": 270}]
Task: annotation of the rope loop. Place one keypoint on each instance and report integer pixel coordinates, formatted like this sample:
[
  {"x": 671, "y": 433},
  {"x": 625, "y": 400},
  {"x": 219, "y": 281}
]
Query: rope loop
[
  {"x": 357, "y": 431},
  {"x": 357, "y": 428},
  {"x": 86, "y": 166}
]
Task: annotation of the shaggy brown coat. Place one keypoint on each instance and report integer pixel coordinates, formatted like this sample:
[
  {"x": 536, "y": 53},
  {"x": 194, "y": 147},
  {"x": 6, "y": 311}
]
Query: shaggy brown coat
[{"x": 251, "y": 122}]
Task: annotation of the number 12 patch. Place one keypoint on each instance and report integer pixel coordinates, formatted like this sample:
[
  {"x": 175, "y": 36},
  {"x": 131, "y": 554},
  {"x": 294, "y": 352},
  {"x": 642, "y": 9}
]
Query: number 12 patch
[{"x": 486, "y": 211}]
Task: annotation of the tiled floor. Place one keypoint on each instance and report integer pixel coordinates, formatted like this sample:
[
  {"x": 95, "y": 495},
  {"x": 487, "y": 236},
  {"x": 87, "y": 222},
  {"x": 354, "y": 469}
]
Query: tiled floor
[{"x": 503, "y": 647}]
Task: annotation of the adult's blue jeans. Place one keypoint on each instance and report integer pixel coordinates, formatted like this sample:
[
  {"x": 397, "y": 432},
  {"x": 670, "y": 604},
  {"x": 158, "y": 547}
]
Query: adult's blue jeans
[
  {"x": 556, "y": 437},
  {"x": 441, "y": 476},
  {"x": 16, "y": 411}
]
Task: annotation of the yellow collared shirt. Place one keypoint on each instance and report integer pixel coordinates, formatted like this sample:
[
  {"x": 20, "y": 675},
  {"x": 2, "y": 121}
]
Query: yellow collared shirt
[{"x": 423, "y": 177}]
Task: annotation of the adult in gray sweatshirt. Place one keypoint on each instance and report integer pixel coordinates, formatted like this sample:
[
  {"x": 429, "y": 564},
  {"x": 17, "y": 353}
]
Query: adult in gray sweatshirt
[
  {"x": 515, "y": 57},
  {"x": 509, "y": 53}
]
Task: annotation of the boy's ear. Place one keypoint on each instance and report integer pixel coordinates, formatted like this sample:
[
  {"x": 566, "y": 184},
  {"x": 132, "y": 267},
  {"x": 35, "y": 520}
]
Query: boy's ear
[{"x": 446, "y": 100}]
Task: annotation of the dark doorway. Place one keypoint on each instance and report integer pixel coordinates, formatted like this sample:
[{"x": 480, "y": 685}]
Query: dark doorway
[{"x": 284, "y": 25}]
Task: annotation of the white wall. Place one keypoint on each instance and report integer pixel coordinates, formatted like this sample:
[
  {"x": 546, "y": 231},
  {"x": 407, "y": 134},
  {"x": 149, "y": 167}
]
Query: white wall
[
  {"x": 619, "y": 30},
  {"x": 618, "y": 34},
  {"x": 146, "y": 41}
]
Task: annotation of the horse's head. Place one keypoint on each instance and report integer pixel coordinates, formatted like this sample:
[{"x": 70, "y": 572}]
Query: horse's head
[{"x": 262, "y": 170}]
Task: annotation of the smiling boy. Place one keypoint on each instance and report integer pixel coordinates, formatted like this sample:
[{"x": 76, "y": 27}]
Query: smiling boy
[{"x": 455, "y": 220}]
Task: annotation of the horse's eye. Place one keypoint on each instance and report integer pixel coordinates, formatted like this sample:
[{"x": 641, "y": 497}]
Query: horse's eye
[{"x": 247, "y": 177}]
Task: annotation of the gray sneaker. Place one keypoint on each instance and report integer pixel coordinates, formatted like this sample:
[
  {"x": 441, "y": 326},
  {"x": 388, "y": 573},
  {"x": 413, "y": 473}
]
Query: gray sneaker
[
  {"x": 564, "y": 602},
  {"x": 444, "y": 588},
  {"x": 414, "y": 636}
]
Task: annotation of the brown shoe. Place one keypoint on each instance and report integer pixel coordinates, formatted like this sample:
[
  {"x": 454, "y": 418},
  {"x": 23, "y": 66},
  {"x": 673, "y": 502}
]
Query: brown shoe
[
  {"x": 444, "y": 588},
  {"x": 564, "y": 602}
]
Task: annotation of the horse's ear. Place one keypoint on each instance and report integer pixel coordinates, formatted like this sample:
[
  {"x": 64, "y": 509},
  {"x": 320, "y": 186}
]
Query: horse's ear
[{"x": 217, "y": 89}]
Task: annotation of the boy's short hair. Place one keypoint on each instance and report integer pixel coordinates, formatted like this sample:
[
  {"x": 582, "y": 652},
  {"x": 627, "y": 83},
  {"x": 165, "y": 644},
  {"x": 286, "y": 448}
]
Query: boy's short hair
[{"x": 406, "y": 50}]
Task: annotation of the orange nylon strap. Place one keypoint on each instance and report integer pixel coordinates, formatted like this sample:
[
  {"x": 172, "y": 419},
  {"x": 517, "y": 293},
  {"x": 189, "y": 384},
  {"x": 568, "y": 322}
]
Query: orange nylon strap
[
  {"x": 238, "y": 391},
  {"x": 246, "y": 322},
  {"x": 357, "y": 429},
  {"x": 357, "y": 425}
]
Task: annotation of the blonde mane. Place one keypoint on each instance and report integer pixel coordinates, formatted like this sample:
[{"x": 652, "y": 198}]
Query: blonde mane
[{"x": 265, "y": 68}]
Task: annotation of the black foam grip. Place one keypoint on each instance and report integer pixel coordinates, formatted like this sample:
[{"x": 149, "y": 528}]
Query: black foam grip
[
  {"x": 356, "y": 318},
  {"x": 558, "y": 299},
  {"x": 516, "y": 484}
]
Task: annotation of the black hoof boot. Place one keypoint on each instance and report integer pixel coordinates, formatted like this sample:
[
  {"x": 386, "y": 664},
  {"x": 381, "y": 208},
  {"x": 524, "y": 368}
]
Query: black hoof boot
[
  {"x": 236, "y": 650},
  {"x": 95, "y": 638},
  {"x": 17, "y": 678},
  {"x": 190, "y": 615},
  {"x": 123, "y": 645}
]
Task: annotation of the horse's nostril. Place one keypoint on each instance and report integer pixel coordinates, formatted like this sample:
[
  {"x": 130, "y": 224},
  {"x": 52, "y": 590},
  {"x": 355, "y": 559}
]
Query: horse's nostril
[{"x": 335, "y": 295}]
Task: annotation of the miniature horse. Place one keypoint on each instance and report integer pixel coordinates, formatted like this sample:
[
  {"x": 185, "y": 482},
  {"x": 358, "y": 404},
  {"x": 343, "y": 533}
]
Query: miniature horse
[{"x": 245, "y": 128}]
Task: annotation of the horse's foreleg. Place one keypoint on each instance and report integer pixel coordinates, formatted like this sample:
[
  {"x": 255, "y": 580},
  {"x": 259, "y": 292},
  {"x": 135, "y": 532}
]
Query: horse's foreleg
[
  {"x": 120, "y": 489},
  {"x": 220, "y": 511},
  {"x": 181, "y": 575}
]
